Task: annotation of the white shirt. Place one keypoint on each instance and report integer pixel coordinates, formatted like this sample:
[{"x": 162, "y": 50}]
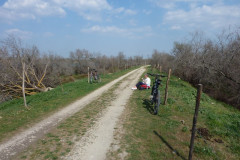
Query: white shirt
[{"x": 147, "y": 81}]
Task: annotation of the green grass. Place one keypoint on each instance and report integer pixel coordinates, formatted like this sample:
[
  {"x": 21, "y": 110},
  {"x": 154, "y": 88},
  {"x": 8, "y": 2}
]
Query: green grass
[
  {"x": 15, "y": 116},
  {"x": 167, "y": 135}
]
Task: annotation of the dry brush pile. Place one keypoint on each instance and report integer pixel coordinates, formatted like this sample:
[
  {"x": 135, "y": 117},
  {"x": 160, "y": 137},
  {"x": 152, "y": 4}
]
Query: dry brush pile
[{"x": 20, "y": 64}]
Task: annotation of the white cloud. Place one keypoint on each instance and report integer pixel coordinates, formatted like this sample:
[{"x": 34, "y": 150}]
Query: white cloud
[
  {"x": 127, "y": 32},
  {"x": 132, "y": 22},
  {"x": 216, "y": 16},
  {"x": 173, "y": 4},
  {"x": 125, "y": 11},
  {"x": 48, "y": 34},
  {"x": 28, "y": 9},
  {"x": 175, "y": 27},
  {"x": 163, "y": 3},
  {"x": 167, "y": 5},
  {"x": 105, "y": 29},
  {"x": 19, "y": 33},
  {"x": 147, "y": 12},
  {"x": 119, "y": 10},
  {"x": 84, "y": 4},
  {"x": 13, "y": 10},
  {"x": 31, "y": 9},
  {"x": 130, "y": 12}
]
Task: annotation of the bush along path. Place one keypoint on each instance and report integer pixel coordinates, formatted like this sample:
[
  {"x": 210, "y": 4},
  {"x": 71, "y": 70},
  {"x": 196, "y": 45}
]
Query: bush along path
[
  {"x": 19, "y": 142},
  {"x": 142, "y": 135},
  {"x": 49, "y": 124}
]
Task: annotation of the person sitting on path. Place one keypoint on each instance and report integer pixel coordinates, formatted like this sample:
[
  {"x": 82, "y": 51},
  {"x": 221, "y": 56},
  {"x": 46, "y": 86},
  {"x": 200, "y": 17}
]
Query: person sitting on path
[{"x": 145, "y": 81}]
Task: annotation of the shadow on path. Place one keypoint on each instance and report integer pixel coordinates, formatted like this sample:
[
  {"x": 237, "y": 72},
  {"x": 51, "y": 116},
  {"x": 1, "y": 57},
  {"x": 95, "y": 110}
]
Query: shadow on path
[{"x": 168, "y": 145}]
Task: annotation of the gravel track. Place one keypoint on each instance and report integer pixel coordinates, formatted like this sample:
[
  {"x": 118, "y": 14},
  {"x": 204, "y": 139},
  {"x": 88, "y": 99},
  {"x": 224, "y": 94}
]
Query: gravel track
[
  {"x": 22, "y": 140},
  {"x": 97, "y": 141}
]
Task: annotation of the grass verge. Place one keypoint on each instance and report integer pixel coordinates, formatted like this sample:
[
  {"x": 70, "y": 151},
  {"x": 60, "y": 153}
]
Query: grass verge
[
  {"x": 167, "y": 135},
  {"x": 14, "y": 116}
]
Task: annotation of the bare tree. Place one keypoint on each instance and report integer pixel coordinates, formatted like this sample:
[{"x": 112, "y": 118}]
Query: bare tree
[{"x": 81, "y": 60}]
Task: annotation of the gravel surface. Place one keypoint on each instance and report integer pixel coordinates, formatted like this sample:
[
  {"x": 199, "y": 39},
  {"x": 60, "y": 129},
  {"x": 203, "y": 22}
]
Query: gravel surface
[
  {"x": 22, "y": 140},
  {"x": 97, "y": 141}
]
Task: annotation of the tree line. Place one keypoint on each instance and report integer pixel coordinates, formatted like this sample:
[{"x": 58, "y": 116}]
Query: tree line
[
  {"x": 215, "y": 63},
  {"x": 43, "y": 71}
]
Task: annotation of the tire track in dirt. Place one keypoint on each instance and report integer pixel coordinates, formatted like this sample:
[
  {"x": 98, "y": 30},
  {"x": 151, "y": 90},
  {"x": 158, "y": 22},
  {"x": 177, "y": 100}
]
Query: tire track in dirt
[
  {"x": 97, "y": 141},
  {"x": 24, "y": 139}
]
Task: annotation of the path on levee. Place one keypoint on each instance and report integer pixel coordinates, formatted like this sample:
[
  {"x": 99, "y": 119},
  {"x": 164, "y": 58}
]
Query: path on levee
[{"x": 96, "y": 142}]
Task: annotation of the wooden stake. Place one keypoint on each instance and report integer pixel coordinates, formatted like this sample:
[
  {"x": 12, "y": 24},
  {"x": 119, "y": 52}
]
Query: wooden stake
[
  {"x": 23, "y": 85},
  {"x": 60, "y": 80},
  {"x": 199, "y": 92},
  {"x": 112, "y": 66},
  {"x": 88, "y": 74},
  {"x": 166, "y": 89},
  {"x": 160, "y": 69}
]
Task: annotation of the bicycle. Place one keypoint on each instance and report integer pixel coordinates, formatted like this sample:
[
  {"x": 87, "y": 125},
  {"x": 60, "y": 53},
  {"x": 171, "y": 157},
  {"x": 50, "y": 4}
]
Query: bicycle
[
  {"x": 155, "y": 99},
  {"x": 94, "y": 76}
]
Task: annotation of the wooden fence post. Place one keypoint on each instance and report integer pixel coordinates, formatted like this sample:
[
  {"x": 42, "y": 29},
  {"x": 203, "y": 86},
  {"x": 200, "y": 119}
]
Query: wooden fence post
[
  {"x": 160, "y": 69},
  {"x": 199, "y": 92},
  {"x": 60, "y": 81},
  {"x": 166, "y": 89},
  {"x": 23, "y": 85},
  {"x": 88, "y": 74}
]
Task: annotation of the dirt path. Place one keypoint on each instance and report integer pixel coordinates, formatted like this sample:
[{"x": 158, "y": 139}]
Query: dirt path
[
  {"x": 21, "y": 141},
  {"x": 96, "y": 142}
]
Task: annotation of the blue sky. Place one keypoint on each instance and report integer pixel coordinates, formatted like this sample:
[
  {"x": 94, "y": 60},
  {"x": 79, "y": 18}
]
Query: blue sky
[{"x": 135, "y": 27}]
